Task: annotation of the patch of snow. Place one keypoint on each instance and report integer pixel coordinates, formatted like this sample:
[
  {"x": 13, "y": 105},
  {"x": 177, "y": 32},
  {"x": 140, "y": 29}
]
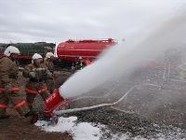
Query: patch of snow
[
  {"x": 91, "y": 131},
  {"x": 79, "y": 131}
]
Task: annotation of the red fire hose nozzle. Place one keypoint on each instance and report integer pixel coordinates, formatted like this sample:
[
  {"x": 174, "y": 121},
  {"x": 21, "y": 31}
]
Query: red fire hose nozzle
[{"x": 53, "y": 102}]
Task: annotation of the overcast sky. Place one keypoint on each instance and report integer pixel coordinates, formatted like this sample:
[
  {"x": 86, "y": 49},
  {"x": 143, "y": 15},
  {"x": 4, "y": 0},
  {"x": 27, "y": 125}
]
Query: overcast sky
[{"x": 59, "y": 20}]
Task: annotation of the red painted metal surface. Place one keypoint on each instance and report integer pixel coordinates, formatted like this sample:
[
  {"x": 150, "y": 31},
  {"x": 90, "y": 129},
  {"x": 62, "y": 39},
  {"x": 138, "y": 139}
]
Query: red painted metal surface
[{"x": 87, "y": 49}]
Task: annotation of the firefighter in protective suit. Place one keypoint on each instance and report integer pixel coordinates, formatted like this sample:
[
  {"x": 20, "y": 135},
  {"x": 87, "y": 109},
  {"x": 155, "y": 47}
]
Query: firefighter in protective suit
[
  {"x": 9, "y": 87},
  {"x": 48, "y": 61},
  {"x": 50, "y": 65},
  {"x": 37, "y": 73}
]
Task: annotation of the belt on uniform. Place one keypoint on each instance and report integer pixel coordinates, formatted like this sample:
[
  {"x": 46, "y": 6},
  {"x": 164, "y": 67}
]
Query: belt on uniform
[
  {"x": 28, "y": 90},
  {"x": 12, "y": 89}
]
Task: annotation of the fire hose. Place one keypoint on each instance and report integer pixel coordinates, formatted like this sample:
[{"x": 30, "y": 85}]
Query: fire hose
[{"x": 60, "y": 112}]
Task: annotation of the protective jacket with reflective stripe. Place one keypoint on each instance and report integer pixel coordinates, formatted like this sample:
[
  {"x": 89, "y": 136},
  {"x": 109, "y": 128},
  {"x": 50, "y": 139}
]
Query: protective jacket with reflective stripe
[{"x": 8, "y": 72}]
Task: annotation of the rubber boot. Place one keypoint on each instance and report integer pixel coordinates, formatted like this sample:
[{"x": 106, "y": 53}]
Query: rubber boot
[
  {"x": 33, "y": 116},
  {"x": 4, "y": 117},
  {"x": 3, "y": 114}
]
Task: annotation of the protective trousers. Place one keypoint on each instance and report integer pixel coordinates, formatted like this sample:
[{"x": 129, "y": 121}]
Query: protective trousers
[
  {"x": 14, "y": 97},
  {"x": 34, "y": 89},
  {"x": 50, "y": 85}
]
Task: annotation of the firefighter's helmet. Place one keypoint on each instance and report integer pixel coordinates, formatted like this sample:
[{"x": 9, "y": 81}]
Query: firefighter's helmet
[
  {"x": 11, "y": 50},
  {"x": 36, "y": 56},
  {"x": 49, "y": 54}
]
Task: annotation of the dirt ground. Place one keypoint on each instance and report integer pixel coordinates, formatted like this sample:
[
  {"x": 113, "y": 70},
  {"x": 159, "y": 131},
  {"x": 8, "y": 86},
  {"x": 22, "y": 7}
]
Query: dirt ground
[{"x": 19, "y": 128}]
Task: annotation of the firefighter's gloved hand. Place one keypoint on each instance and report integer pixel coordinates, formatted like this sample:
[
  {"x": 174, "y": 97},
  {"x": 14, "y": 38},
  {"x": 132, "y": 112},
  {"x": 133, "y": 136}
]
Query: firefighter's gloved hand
[
  {"x": 49, "y": 74},
  {"x": 8, "y": 88},
  {"x": 32, "y": 74},
  {"x": 30, "y": 113}
]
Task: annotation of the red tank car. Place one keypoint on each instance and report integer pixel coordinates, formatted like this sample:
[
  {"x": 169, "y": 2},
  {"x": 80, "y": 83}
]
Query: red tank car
[{"x": 85, "y": 49}]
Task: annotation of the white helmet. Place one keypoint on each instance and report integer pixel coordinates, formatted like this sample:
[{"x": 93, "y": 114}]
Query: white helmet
[
  {"x": 36, "y": 56},
  {"x": 49, "y": 54},
  {"x": 11, "y": 49}
]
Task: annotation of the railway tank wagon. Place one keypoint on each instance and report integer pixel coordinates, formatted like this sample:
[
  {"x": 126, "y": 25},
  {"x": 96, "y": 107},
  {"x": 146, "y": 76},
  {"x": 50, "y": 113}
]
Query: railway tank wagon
[{"x": 70, "y": 51}]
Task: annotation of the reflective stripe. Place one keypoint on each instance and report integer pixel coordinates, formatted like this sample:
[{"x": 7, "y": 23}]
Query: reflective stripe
[
  {"x": 42, "y": 90},
  {"x": 39, "y": 69},
  {"x": 34, "y": 91},
  {"x": 12, "y": 89},
  {"x": 31, "y": 91},
  {"x": 15, "y": 89},
  {"x": 2, "y": 89},
  {"x": 20, "y": 104},
  {"x": 2, "y": 106}
]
